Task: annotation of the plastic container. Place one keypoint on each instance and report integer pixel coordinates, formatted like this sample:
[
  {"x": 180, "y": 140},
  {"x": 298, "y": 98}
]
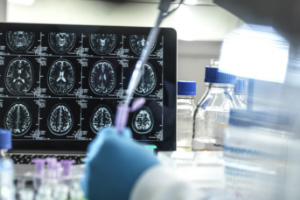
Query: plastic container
[
  {"x": 185, "y": 110},
  {"x": 255, "y": 155},
  {"x": 239, "y": 97},
  {"x": 212, "y": 112},
  {"x": 7, "y": 188}
]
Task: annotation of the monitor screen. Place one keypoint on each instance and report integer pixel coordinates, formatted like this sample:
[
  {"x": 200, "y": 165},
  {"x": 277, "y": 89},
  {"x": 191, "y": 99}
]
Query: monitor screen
[{"x": 61, "y": 84}]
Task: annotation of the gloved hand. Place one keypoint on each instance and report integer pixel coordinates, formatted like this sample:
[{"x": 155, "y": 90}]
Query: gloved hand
[{"x": 114, "y": 163}]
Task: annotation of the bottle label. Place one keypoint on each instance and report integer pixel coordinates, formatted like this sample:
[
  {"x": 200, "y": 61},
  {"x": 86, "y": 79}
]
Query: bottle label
[
  {"x": 202, "y": 146},
  {"x": 218, "y": 146}
]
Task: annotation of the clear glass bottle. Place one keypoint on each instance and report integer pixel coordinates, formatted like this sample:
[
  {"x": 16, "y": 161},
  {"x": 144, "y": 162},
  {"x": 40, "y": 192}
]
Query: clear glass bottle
[
  {"x": 239, "y": 97},
  {"x": 212, "y": 112},
  {"x": 7, "y": 188},
  {"x": 185, "y": 110}
]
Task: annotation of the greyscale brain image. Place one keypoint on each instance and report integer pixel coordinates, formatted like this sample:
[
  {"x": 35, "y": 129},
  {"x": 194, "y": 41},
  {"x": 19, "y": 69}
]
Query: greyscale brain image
[
  {"x": 19, "y": 41},
  {"x": 101, "y": 118},
  {"x": 18, "y": 119},
  {"x": 19, "y": 76},
  {"x": 143, "y": 121},
  {"x": 103, "y": 43},
  {"x": 61, "y": 77},
  {"x": 138, "y": 42},
  {"x": 62, "y": 42},
  {"x": 64, "y": 82},
  {"x": 147, "y": 82},
  {"x": 60, "y": 120},
  {"x": 102, "y": 78}
]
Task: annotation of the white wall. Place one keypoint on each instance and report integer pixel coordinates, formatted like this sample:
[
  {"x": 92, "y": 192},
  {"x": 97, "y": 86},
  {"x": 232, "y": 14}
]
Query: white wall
[
  {"x": 2, "y": 10},
  {"x": 193, "y": 57},
  {"x": 209, "y": 23}
]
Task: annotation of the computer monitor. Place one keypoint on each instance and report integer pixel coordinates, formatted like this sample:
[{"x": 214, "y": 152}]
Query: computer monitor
[{"x": 61, "y": 84}]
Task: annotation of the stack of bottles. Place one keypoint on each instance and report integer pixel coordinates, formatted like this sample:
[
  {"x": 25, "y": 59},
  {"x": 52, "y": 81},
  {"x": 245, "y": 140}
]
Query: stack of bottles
[
  {"x": 185, "y": 111},
  {"x": 212, "y": 112},
  {"x": 218, "y": 98},
  {"x": 53, "y": 180}
]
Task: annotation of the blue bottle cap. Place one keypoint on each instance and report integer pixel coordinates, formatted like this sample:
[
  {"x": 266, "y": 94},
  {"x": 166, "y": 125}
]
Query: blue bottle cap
[
  {"x": 186, "y": 88},
  {"x": 5, "y": 139},
  {"x": 212, "y": 75},
  {"x": 240, "y": 87}
]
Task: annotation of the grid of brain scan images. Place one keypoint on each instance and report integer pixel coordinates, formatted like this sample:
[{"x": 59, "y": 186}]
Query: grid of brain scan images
[{"x": 66, "y": 85}]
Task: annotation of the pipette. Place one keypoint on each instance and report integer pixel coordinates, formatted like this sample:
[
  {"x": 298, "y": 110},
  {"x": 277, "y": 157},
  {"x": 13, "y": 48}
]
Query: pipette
[{"x": 124, "y": 109}]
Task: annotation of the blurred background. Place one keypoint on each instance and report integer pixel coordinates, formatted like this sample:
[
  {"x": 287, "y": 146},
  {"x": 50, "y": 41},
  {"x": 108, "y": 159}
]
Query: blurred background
[{"x": 266, "y": 54}]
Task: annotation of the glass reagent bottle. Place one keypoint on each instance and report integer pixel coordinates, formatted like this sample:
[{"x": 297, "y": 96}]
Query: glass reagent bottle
[
  {"x": 185, "y": 111},
  {"x": 211, "y": 116}
]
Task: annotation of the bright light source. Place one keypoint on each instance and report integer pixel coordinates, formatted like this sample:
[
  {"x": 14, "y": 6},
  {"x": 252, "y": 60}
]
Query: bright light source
[
  {"x": 256, "y": 52},
  {"x": 22, "y": 2},
  {"x": 190, "y": 2},
  {"x": 186, "y": 22},
  {"x": 210, "y": 23},
  {"x": 198, "y": 2}
]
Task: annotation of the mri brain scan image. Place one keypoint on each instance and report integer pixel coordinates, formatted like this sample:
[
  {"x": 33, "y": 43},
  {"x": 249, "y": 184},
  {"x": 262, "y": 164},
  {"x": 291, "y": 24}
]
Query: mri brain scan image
[
  {"x": 60, "y": 120},
  {"x": 18, "y": 119},
  {"x": 138, "y": 42},
  {"x": 19, "y": 41},
  {"x": 101, "y": 118},
  {"x": 103, "y": 43},
  {"x": 61, "y": 77},
  {"x": 102, "y": 78},
  {"x": 19, "y": 76},
  {"x": 62, "y": 42},
  {"x": 143, "y": 121},
  {"x": 147, "y": 82}
]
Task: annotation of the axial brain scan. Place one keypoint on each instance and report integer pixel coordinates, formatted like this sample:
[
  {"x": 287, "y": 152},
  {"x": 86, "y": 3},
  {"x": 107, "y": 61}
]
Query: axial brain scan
[
  {"x": 18, "y": 119},
  {"x": 60, "y": 120},
  {"x": 19, "y": 76},
  {"x": 147, "y": 82},
  {"x": 103, "y": 43},
  {"x": 19, "y": 41},
  {"x": 61, "y": 77},
  {"x": 102, "y": 78},
  {"x": 62, "y": 42},
  {"x": 101, "y": 118},
  {"x": 143, "y": 121},
  {"x": 138, "y": 42}
]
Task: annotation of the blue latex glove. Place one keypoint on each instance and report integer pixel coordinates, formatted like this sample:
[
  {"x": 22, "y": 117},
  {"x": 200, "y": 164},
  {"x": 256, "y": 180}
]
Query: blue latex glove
[{"x": 114, "y": 163}]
